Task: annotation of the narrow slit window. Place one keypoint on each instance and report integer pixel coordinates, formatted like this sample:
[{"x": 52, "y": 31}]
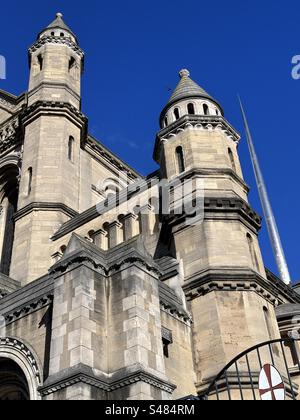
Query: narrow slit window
[
  {"x": 166, "y": 122},
  {"x": 71, "y": 148},
  {"x": 232, "y": 161},
  {"x": 191, "y": 109},
  {"x": 72, "y": 63},
  {"x": 268, "y": 322},
  {"x": 166, "y": 345},
  {"x": 40, "y": 62},
  {"x": 176, "y": 114},
  {"x": 180, "y": 159},
  {"x": 252, "y": 252},
  {"x": 29, "y": 186}
]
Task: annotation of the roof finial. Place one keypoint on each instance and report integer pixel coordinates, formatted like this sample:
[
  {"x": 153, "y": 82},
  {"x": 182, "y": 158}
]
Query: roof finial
[
  {"x": 184, "y": 73},
  {"x": 59, "y": 15}
]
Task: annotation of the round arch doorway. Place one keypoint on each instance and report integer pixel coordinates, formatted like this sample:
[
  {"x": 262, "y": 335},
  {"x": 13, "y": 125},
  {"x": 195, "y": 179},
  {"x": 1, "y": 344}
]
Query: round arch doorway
[{"x": 13, "y": 382}]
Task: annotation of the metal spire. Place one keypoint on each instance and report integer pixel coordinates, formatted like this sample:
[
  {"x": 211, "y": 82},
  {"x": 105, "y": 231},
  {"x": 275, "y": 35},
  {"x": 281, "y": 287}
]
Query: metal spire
[{"x": 266, "y": 205}]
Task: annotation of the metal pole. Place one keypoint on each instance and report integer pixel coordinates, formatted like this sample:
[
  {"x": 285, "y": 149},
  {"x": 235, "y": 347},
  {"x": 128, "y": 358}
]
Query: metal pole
[{"x": 266, "y": 205}]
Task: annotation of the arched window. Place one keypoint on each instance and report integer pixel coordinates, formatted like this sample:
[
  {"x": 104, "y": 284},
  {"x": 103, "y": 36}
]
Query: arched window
[
  {"x": 176, "y": 114},
  {"x": 205, "y": 109},
  {"x": 71, "y": 148},
  {"x": 232, "y": 161},
  {"x": 29, "y": 181},
  {"x": 180, "y": 159},
  {"x": 252, "y": 251},
  {"x": 166, "y": 121},
  {"x": 62, "y": 34},
  {"x": 40, "y": 61},
  {"x": 52, "y": 33},
  {"x": 191, "y": 109}
]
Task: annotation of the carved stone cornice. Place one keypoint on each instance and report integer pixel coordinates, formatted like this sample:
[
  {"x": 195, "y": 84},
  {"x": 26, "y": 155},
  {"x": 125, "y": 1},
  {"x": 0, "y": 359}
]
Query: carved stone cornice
[
  {"x": 179, "y": 315},
  {"x": 3, "y": 293},
  {"x": 54, "y": 108},
  {"x": 84, "y": 374},
  {"x": 214, "y": 172},
  {"x": 45, "y": 206},
  {"x": 10, "y": 134},
  {"x": 75, "y": 260},
  {"x": 238, "y": 279},
  {"x": 200, "y": 122},
  {"x": 105, "y": 267},
  {"x": 28, "y": 309},
  {"x": 223, "y": 209},
  {"x": 11, "y": 102},
  {"x": 26, "y": 300},
  {"x": 51, "y": 39}
]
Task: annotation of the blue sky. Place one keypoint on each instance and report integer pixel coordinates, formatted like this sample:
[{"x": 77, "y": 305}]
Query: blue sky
[{"x": 134, "y": 50}]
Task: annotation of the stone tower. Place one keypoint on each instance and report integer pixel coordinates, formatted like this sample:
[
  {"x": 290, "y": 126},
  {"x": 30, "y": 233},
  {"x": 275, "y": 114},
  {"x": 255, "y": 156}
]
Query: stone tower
[
  {"x": 223, "y": 268},
  {"x": 101, "y": 296},
  {"x": 53, "y": 126}
]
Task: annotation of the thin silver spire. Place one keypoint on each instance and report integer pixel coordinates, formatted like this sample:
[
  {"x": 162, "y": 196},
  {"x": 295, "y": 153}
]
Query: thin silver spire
[{"x": 266, "y": 205}]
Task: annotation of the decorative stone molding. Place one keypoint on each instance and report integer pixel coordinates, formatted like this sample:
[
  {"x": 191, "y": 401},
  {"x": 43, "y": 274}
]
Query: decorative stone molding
[
  {"x": 179, "y": 315},
  {"x": 56, "y": 40},
  {"x": 237, "y": 279},
  {"x": 83, "y": 375},
  {"x": 17, "y": 351},
  {"x": 3, "y": 293},
  {"x": 200, "y": 122},
  {"x": 213, "y": 172},
  {"x": 9, "y": 134},
  {"x": 56, "y": 108},
  {"x": 7, "y": 104},
  {"x": 29, "y": 308},
  {"x": 224, "y": 208},
  {"x": 10, "y": 102},
  {"x": 83, "y": 258},
  {"x": 45, "y": 207}
]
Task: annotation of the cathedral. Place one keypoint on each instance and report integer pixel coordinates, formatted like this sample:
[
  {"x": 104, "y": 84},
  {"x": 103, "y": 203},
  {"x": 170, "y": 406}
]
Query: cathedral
[{"x": 118, "y": 286}]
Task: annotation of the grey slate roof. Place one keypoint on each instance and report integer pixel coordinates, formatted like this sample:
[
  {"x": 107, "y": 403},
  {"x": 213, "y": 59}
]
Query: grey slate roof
[
  {"x": 186, "y": 89},
  {"x": 59, "y": 23}
]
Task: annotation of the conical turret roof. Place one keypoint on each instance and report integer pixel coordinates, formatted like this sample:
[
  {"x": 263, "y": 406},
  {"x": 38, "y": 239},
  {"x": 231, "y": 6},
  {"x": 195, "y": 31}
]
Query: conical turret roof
[
  {"x": 59, "y": 23},
  {"x": 186, "y": 89}
]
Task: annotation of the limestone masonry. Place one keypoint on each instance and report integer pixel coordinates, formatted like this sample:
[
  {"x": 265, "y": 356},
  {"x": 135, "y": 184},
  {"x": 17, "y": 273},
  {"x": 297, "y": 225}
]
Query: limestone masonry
[{"x": 103, "y": 295}]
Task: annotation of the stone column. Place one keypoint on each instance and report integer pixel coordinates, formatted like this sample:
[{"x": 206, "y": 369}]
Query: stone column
[
  {"x": 131, "y": 226},
  {"x": 115, "y": 234},
  {"x": 101, "y": 239},
  {"x": 148, "y": 219}
]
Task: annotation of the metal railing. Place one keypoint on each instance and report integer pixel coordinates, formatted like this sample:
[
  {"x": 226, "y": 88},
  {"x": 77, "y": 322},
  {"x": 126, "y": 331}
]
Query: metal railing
[{"x": 239, "y": 380}]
